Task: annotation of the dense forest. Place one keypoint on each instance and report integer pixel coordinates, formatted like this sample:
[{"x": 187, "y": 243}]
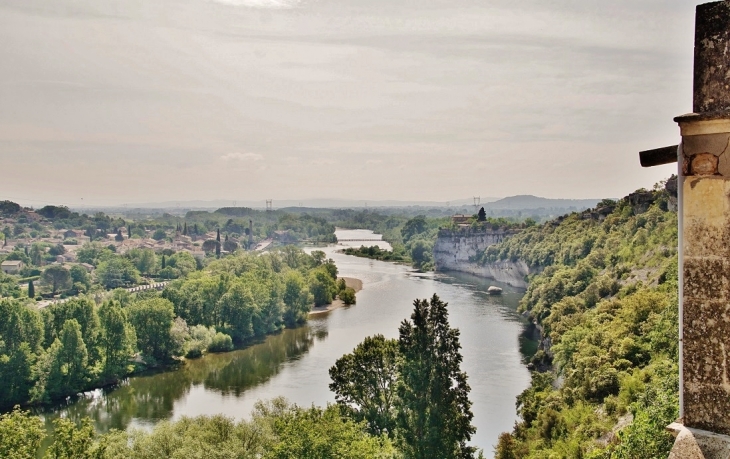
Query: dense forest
[
  {"x": 606, "y": 302},
  {"x": 69, "y": 347}
]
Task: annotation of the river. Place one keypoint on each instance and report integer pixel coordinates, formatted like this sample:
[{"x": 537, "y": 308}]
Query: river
[{"x": 295, "y": 363}]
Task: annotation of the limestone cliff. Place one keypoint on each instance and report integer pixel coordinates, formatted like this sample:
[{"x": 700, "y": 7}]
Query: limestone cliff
[{"x": 455, "y": 250}]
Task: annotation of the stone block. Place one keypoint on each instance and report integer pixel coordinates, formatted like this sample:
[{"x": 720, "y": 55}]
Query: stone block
[
  {"x": 703, "y": 164},
  {"x": 706, "y": 278},
  {"x": 706, "y": 341},
  {"x": 698, "y": 444},
  {"x": 706, "y": 407},
  {"x": 714, "y": 144}
]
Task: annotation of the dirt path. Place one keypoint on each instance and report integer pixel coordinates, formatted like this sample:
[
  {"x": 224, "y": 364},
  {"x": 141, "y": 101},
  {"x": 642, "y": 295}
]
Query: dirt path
[{"x": 355, "y": 284}]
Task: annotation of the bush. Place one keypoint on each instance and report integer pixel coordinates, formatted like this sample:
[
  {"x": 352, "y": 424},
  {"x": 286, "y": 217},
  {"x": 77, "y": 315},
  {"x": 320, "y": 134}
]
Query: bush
[
  {"x": 348, "y": 296},
  {"x": 194, "y": 349},
  {"x": 221, "y": 343}
]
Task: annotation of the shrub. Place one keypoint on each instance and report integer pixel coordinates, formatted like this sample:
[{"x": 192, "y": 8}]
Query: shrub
[
  {"x": 348, "y": 296},
  {"x": 221, "y": 343}
]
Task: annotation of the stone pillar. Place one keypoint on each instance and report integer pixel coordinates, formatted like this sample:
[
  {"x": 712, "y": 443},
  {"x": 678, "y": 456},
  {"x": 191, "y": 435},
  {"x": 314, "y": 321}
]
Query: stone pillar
[{"x": 704, "y": 185}]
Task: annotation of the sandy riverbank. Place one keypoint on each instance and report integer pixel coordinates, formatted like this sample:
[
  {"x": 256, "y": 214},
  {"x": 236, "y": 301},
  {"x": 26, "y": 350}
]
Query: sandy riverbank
[{"x": 355, "y": 284}]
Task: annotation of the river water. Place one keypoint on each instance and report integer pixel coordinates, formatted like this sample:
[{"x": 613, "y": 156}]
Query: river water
[{"x": 295, "y": 363}]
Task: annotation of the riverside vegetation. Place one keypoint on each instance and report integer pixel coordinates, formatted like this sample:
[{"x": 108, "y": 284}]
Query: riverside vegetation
[
  {"x": 405, "y": 398},
  {"x": 78, "y": 345}
]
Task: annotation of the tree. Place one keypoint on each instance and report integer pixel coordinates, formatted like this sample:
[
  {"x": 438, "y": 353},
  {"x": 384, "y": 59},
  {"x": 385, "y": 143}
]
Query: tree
[
  {"x": 117, "y": 272},
  {"x": 57, "y": 249},
  {"x": 57, "y": 277},
  {"x": 230, "y": 246},
  {"x": 211, "y": 245},
  {"x": 413, "y": 227},
  {"x": 218, "y": 249},
  {"x": 237, "y": 310},
  {"x": 421, "y": 252},
  {"x": 348, "y": 296},
  {"x": 145, "y": 260},
  {"x": 435, "y": 416},
  {"x": 20, "y": 435},
  {"x": 296, "y": 299},
  {"x": 119, "y": 237},
  {"x": 322, "y": 286},
  {"x": 164, "y": 265},
  {"x": 117, "y": 339},
  {"x": 482, "y": 216},
  {"x": 36, "y": 254},
  {"x": 185, "y": 229},
  {"x": 31, "y": 289},
  {"x": 159, "y": 234},
  {"x": 322, "y": 433},
  {"x": 365, "y": 382},
  {"x": 68, "y": 359},
  {"x": 80, "y": 278},
  {"x": 70, "y": 441},
  {"x": 152, "y": 320},
  {"x": 218, "y": 235},
  {"x": 93, "y": 253},
  {"x": 129, "y": 232}
]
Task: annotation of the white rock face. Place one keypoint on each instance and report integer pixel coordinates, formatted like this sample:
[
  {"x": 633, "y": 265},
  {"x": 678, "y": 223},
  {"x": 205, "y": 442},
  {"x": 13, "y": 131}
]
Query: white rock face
[{"x": 456, "y": 250}]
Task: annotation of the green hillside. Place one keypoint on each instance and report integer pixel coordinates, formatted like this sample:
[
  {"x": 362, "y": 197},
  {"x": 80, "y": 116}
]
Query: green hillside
[{"x": 606, "y": 302}]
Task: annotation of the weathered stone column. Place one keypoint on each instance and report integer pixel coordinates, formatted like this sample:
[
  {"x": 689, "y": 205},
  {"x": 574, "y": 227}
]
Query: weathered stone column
[{"x": 704, "y": 186}]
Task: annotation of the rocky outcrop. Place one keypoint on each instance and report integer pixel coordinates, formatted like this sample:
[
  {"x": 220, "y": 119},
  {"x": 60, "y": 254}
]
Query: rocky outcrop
[{"x": 456, "y": 250}]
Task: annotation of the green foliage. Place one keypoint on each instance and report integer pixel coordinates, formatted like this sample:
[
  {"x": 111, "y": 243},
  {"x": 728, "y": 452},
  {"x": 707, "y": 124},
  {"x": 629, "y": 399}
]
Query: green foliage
[
  {"x": 607, "y": 302},
  {"x": 80, "y": 278},
  {"x": 276, "y": 430},
  {"x": 56, "y": 277},
  {"x": 348, "y": 296},
  {"x": 153, "y": 320},
  {"x": 117, "y": 272},
  {"x": 71, "y": 441},
  {"x": 322, "y": 433},
  {"x": 220, "y": 343},
  {"x": 93, "y": 253},
  {"x": 365, "y": 381},
  {"x": 64, "y": 367},
  {"x": 20, "y": 435},
  {"x": 322, "y": 285},
  {"x": 296, "y": 299},
  {"x": 159, "y": 234},
  {"x": 376, "y": 253},
  {"x": 144, "y": 260},
  {"x": 434, "y": 418},
  {"x": 118, "y": 340}
]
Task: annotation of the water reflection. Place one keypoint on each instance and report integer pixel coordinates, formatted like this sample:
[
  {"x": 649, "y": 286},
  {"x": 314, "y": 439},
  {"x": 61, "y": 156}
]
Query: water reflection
[{"x": 145, "y": 400}]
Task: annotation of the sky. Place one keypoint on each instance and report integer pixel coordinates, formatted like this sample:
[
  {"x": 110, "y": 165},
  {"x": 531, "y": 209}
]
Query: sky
[{"x": 131, "y": 101}]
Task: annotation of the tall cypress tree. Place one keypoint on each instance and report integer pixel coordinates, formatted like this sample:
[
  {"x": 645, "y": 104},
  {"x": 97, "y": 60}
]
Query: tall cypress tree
[
  {"x": 185, "y": 229},
  {"x": 129, "y": 231},
  {"x": 435, "y": 414},
  {"x": 31, "y": 289},
  {"x": 218, "y": 235},
  {"x": 164, "y": 265}
]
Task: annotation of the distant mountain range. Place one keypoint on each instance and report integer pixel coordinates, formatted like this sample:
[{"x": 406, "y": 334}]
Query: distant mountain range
[{"x": 534, "y": 202}]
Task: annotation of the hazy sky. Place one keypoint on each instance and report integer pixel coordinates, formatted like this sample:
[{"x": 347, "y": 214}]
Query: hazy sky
[{"x": 118, "y": 101}]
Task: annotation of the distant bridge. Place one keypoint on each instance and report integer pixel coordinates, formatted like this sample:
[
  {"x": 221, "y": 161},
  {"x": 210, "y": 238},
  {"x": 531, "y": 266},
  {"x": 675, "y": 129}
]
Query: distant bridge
[{"x": 359, "y": 240}]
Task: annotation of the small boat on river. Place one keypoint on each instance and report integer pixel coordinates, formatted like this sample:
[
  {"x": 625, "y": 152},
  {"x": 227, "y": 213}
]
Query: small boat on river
[{"x": 494, "y": 290}]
